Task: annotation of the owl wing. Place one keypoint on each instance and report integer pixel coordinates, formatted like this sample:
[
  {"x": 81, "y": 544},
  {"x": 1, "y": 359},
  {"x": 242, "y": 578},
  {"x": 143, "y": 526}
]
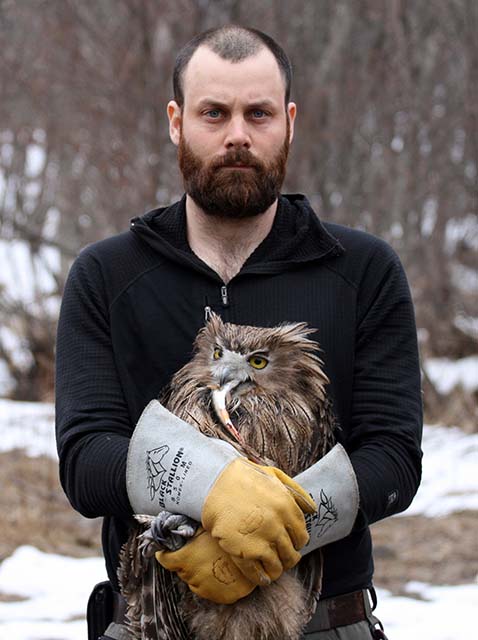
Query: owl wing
[{"x": 151, "y": 594}]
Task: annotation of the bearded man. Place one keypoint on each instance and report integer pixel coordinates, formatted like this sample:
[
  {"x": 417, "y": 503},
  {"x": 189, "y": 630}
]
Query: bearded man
[{"x": 134, "y": 303}]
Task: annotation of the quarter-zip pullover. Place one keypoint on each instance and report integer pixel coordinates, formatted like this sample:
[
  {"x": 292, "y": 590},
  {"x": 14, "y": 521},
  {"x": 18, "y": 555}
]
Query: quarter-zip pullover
[{"x": 134, "y": 303}]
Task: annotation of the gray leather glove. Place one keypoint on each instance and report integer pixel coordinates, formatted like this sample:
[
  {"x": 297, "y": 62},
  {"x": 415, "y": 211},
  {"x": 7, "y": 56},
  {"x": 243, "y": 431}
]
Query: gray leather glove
[
  {"x": 333, "y": 485},
  {"x": 171, "y": 465},
  {"x": 256, "y": 513}
]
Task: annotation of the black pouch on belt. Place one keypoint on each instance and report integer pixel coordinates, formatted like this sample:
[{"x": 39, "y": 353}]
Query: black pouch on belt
[{"x": 99, "y": 612}]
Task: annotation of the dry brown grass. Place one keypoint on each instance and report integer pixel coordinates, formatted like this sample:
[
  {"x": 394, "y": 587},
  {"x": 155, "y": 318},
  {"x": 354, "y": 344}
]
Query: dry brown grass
[
  {"x": 459, "y": 407},
  {"x": 434, "y": 550},
  {"x": 35, "y": 510}
]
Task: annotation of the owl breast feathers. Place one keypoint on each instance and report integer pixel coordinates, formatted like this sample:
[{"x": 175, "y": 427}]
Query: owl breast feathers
[{"x": 264, "y": 391}]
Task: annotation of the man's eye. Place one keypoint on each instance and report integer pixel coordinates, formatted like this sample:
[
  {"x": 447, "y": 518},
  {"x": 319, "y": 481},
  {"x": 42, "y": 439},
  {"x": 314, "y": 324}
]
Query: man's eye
[
  {"x": 259, "y": 114},
  {"x": 213, "y": 113}
]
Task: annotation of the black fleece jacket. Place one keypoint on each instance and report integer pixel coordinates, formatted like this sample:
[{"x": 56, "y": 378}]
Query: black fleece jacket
[{"x": 134, "y": 303}]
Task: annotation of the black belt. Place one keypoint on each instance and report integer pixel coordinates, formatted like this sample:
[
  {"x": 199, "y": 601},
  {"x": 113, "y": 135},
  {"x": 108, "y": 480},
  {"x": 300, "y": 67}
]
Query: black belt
[
  {"x": 331, "y": 612},
  {"x": 339, "y": 612}
]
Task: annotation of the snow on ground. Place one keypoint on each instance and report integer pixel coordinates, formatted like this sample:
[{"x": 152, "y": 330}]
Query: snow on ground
[
  {"x": 449, "y": 478},
  {"x": 444, "y": 613},
  {"x": 57, "y": 589},
  {"x": 29, "y": 426},
  {"x": 447, "y": 374}
]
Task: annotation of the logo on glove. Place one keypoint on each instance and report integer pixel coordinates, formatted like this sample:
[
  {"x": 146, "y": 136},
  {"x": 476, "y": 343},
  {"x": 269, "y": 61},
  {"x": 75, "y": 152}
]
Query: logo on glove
[
  {"x": 327, "y": 515},
  {"x": 154, "y": 469}
]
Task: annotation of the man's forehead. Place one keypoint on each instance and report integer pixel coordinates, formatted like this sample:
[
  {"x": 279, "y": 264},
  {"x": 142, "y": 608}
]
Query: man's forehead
[{"x": 256, "y": 78}]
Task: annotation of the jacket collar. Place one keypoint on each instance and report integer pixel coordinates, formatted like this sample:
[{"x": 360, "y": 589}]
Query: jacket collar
[{"x": 297, "y": 236}]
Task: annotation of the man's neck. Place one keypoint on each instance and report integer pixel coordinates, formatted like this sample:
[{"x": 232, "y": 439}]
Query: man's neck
[{"x": 224, "y": 243}]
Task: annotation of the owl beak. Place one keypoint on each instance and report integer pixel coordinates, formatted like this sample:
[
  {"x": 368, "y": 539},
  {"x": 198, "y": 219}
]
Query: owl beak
[
  {"x": 231, "y": 377},
  {"x": 225, "y": 378}
]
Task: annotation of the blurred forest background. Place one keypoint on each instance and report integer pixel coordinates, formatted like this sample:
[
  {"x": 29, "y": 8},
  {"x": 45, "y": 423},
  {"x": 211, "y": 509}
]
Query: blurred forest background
[{"x": 386, "y": 141}]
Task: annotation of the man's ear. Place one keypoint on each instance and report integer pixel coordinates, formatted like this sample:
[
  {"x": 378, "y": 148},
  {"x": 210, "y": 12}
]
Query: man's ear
[
  {"x": 175, "y": 116},
  {"x": 292, "y": 112}
]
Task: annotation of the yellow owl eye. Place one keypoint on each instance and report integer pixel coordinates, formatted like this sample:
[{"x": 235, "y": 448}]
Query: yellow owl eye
[
  {"x": 258, "y": 362},
  {"x": 217, "y": 353}
]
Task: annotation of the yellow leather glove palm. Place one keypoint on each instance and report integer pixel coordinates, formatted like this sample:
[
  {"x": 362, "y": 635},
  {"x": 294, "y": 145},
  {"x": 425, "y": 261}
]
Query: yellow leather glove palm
[
  {"x": 256, "y": 514},
  {"x": 207, "y": 569}
]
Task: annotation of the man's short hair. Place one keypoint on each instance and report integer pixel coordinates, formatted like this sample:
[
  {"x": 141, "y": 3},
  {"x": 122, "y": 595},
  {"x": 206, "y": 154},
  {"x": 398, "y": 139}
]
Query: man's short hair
[{"x": 234, "y": 43}]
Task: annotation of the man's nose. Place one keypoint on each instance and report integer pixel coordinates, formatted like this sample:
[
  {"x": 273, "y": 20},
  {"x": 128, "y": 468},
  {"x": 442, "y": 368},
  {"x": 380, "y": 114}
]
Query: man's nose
[{"x": 238, "y": 134}]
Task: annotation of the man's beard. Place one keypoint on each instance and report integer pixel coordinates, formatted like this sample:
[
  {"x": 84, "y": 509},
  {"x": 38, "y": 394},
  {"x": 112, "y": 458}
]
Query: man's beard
[{"x": 231, "y": 193}]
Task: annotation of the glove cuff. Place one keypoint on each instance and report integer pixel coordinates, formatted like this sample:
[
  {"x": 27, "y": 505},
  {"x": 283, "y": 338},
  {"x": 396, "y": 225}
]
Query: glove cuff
[
  {"x": 171, "y": 465},
  {"x": 333, "y": 485}
]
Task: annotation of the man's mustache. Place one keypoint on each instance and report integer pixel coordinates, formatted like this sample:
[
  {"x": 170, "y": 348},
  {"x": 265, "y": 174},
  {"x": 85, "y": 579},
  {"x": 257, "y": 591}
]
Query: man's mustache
[{"x": 241, "y": 157}]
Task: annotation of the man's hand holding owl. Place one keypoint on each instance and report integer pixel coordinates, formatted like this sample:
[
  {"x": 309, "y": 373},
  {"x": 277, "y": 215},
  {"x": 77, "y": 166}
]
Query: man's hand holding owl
[
  {"x": 207, "y": 569},
  {"x": 257, "y": 516},
  {"x": 212, "y": 574}
]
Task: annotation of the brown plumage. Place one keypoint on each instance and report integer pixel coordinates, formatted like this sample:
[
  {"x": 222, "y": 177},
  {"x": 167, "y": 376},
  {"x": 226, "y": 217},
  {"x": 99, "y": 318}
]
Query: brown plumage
[{"x": 273, "y": 388}]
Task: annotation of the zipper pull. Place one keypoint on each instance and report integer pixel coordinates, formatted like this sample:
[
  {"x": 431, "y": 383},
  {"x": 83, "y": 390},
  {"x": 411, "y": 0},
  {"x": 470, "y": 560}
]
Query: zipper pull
[
  {"x": 207, "y": 314},
  {"x": 224, "y": 296}
]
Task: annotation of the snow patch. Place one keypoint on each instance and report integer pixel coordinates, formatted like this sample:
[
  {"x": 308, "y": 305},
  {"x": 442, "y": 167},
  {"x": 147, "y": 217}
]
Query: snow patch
[
  {"x": 35, "y": 160},
  {"x": 23, "y": 275},
  {"x": 445, "y": 613},
  {"x": 397, "y": 144},
  {"x": 57, "y": 589},
  {"x": 463, "y": 229},
  {"x": 446, "y": 374},
  {"x": 449, "y": 478},
  {"x": 464, "y": 278},
  {"x": 429, "y": 217},
  {"x": 468, "y": 325},
  {"x": 29, "y": 426}
]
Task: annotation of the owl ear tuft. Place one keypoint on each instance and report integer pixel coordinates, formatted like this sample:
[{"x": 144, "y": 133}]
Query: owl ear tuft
[
  {"x": 213, "y": 327},
  {"x": 215, "y": 318},
  {"x": 214, "y": 324}
]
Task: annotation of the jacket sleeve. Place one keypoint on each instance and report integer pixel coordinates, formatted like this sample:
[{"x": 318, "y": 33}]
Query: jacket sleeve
[
  {"x": 92, "y": 422},
  {"x": 386, "y": 420}
]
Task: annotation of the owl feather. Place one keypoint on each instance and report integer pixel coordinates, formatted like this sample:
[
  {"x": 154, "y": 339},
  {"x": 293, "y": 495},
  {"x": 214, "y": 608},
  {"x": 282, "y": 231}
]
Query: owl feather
[{"x": 279, "y": 407}]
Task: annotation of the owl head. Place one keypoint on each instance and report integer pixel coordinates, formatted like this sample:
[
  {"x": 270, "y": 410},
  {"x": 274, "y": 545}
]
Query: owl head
[
  {"x": 260, "y": 388},
  {"x": 264, "y": 359}
]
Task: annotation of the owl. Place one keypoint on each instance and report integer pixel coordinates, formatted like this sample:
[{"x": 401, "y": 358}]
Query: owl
[{"x": 264, "y": 391}]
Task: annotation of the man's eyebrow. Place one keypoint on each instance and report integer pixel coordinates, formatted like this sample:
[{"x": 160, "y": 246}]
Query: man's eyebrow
[
  {"x": 210, "y": 102},
  {"x": 265, "y": 103},
  {"x": 254, "y": 104}
]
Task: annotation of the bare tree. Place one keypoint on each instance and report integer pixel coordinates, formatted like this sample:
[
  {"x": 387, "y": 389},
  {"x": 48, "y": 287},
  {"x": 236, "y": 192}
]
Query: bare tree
[{"x": 387, "y": 137}]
